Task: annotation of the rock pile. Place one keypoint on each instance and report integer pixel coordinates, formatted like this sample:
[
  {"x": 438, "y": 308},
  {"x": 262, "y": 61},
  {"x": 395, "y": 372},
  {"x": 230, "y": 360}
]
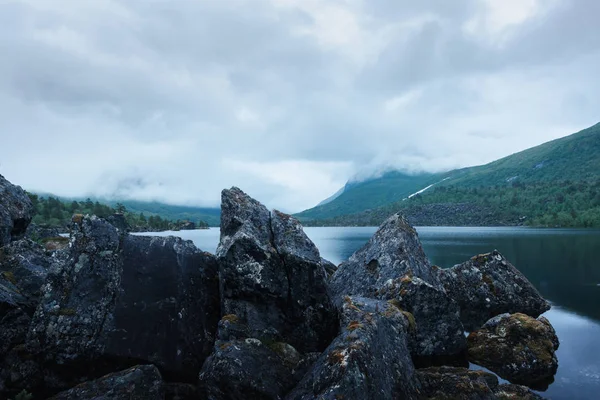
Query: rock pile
[{"x": 133, "y": 317}]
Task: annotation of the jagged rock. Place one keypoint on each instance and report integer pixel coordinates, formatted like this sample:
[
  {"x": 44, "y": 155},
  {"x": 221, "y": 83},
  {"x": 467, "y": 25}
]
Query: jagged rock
[
  {"x": 271, "y": 276},
  {"x": 368, "y": 360},
  {"x": 488, "y": 285},
  {"x": 274, "y": 302},
  {"x": 121, "y": 300},
  {"x": 450, "y": 383},
  {"x": 142, "y": 382},
  {"x": 394, "y": 251},
  {"x": 16, "y": 211},
  {"x": 250, "y": 369},
  {"x": 518, "y": 348},
  {"x": 439, "y": 334},
  {"x": 392, "y": 265}
]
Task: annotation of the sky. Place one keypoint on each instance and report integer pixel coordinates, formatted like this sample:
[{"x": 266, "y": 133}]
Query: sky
[{"x": 287, "y": 99}]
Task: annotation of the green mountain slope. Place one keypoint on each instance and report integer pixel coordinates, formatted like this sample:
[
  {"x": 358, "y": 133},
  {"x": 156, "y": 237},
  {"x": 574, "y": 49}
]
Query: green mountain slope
[
  {"x": 360, "y": 196},
  {"x": 554, "y": 184},
  {"x": 575, "y": 158}
]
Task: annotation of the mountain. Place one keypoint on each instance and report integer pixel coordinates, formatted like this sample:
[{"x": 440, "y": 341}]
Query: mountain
[
  {"x": 553, "y": 184},
  {"x": 212, "y": 216},
  {"x": 369, "y": 194},
  {"x": 573, "y": 158}
]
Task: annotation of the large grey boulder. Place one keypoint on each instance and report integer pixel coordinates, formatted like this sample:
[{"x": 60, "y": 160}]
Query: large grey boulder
[
  {"x": 142, "y": 382},
  {"x": 488, "y": 285},
  {"x": 120, "y": 300},
  {"x": 392, "y": 252},
  {"x": 368, "y": 360},
  {"x": 518, "y": 348},
  {"x": 16, "y": 211},
  {"x": 272, "y": 277}
]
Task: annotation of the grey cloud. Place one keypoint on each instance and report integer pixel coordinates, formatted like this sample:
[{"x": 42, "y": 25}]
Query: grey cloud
[{"x": 175, "y": 100}]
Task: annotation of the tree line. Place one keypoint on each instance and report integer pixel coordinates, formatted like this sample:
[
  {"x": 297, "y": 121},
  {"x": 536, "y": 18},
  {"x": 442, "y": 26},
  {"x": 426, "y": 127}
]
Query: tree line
[
  {"x": 53, "y": 212},
  {"x": 564, "y": 204}
]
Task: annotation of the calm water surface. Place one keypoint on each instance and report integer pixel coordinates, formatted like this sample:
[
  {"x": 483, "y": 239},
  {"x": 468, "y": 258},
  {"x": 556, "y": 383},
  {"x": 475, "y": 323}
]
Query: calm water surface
[{"x": 562, "y": 263}]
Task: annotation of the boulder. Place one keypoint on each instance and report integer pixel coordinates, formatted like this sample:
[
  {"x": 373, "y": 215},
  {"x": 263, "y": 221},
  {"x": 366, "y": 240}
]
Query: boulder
[
  {"x": 394, "y": 251},
  {"x": 271, "y": 274},
  {"x": 518, "y": 348},
  {"x": 16, "y": 211},
  {"x": 438, "y": 332},
  {"x": 488, "y": 285},
  {"x": 142, "y": 382},
  {"x": 121, "y": 300},
  {"x": 368, "y": 360},
  {"x": 274, "y": 300},
  {"x": 393, "y": 266},
  {"x": 449, "y": 383}
]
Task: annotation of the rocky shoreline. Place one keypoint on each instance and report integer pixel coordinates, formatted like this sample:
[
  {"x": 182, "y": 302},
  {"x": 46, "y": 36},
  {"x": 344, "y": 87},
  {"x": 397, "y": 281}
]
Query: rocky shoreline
[{"x": 134, "y": 317}]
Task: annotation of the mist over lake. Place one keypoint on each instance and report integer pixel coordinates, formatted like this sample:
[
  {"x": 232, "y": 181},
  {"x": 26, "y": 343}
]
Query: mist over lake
[{"x": 561, "y": 263}]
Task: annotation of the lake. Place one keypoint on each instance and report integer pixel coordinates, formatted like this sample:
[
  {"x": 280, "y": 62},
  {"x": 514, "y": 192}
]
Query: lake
[{"x": 562, "y": 263}]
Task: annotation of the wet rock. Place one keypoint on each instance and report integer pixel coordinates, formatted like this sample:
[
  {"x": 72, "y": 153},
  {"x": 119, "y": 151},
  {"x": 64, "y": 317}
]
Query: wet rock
[
  {"x": 142, "y": 382},
  {"x": 518, "y": 348},
  {"x": 368, "y": 360},
  {"x": 250, "y": 369},
  {"x": 124, "y": 300},
  {"x": 435, "y": 319},
  {"x": 271, "y": 276},
  {"x": 394, "y": 251},
  {"x": 16, "y": 211},
  {"x": 456, "y": 383},
  {"x": 449, "y": 383},
  {"x": 488, "y": 285}
]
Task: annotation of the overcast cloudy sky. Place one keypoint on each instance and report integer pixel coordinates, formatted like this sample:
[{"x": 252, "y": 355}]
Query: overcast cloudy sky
[{"x": 288, "y": 99}]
